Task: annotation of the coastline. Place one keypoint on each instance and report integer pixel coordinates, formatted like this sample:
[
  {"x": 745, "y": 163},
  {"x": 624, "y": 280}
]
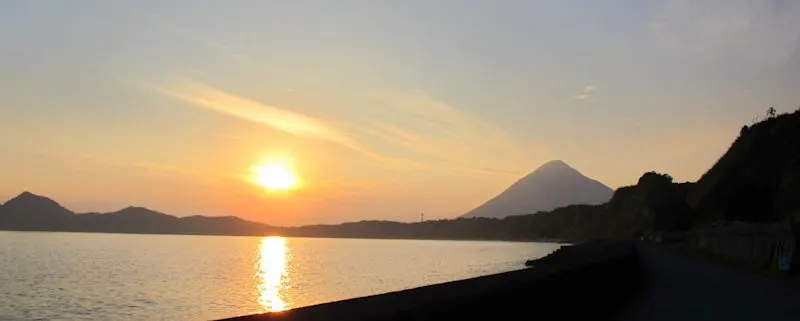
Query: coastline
[
  {"x": 578, "y": 274},
  {"x": 299, "y": 236},
  {"x": 590, "y": 281}
]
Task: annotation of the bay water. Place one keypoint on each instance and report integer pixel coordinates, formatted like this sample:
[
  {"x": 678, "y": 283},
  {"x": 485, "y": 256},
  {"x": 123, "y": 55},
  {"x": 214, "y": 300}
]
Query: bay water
[{"x": 82, "y": 276}]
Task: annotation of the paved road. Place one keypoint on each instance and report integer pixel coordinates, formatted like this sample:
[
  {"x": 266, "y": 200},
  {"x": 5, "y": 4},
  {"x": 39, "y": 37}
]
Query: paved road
[{"x": 677, "y": 287}]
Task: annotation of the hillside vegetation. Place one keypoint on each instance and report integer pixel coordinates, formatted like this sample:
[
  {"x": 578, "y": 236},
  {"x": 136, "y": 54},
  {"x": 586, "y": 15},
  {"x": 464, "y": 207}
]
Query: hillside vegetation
[{"x": 758, "y": 179}]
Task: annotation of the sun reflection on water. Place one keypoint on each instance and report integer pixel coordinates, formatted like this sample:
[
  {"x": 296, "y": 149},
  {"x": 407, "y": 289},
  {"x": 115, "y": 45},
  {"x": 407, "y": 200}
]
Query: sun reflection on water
[{"x": 272, "y": 274}]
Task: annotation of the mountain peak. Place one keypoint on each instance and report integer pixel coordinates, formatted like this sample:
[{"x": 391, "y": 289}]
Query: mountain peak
[
  {"x": 28, "y": 203},
  {"x": 555, "y": 164},
  {"x": 138, "y": 210},
  {"x": 29, "y": 198},
  {"x": 135, "y": 208},
  {"x": 554, "y": 184},
  {"x": 28, "y": 195}
]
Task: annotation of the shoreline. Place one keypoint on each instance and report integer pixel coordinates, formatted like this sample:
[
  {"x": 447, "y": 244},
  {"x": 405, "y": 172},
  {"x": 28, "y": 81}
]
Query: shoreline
[
  {"x": 296, "y": 236},
  {"x": 514, "y": 295},
  {"x": 591, "y": 281}
]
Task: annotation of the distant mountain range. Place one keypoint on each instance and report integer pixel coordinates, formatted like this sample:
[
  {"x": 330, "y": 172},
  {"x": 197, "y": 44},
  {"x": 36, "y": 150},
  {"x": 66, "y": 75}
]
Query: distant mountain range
[
  {"x": 756, "y": 180},
  {"x": 553, "y": 185},
  {"x": 30, "y": 212}
]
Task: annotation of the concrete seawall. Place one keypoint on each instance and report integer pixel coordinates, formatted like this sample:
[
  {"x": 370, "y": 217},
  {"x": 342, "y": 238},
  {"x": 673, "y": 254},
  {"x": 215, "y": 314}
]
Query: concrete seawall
[{"x": 595, "y": 281}]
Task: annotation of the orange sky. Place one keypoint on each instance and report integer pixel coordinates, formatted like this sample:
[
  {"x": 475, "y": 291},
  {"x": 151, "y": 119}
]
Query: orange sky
[{"x": 383, "y": 110}]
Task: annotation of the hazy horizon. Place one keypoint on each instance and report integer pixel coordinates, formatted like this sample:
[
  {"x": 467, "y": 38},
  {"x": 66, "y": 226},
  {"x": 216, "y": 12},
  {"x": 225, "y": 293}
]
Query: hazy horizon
[{"x": 379, "y": 110}]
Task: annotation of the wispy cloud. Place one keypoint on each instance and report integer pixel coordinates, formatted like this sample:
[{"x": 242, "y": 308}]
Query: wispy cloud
[
  {"x": 202, "y": 95},
  {"x": 587, "y": 94},
  {"x": 453, "y": 138},
  {"x": 205, "y": 96},
  {"x": 408, "y": 130}
]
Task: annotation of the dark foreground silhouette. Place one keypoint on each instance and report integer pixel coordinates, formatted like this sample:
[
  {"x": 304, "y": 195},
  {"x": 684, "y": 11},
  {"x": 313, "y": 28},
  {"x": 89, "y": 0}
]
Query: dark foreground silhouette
[{"x": 593, "y": 281}]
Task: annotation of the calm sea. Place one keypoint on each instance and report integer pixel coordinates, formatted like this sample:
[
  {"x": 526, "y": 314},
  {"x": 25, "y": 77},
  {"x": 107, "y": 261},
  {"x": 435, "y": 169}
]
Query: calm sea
[{"x": 76, "y": 276}]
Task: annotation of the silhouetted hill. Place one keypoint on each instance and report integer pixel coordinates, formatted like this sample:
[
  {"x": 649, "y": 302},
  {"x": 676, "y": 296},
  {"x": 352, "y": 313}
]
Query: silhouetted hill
[
  {"x": 758, "y": 178},
  {"x": 221, "y": 225},
  {"x": 32, "y": 212},
  {"x": 654, "y": 203},
  {"x": 128, "y": 220},
  {"x": 553, "y": 185},
  {"x": 29, "y": 212}
]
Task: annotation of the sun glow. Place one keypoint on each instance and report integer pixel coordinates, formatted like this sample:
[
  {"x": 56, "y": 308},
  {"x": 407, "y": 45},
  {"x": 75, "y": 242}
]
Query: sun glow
[{"x": 274, "y": 176}]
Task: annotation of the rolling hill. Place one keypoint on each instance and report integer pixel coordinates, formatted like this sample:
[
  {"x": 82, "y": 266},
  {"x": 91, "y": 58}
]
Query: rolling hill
[{"x": 30, "y": 212}]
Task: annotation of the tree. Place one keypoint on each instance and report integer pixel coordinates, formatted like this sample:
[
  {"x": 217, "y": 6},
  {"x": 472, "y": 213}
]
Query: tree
[
  {"x": 653, "y": 177},
  {"x": 771, "y": 112}
]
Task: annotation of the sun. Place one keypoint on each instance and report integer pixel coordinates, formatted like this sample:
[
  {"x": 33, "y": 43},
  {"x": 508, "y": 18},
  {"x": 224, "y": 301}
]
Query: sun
[{"x": 274, "y": 176}]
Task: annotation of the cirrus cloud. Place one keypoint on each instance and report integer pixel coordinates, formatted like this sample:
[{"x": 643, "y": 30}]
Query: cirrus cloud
[{"x": 410, "y": 130}]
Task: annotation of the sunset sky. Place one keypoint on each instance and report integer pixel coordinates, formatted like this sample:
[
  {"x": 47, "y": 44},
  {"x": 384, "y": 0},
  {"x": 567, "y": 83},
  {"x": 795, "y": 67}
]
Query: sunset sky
[{"x": 382, "y": 109}]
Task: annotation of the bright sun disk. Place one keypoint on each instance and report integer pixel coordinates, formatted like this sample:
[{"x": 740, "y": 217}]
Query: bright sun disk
[{"x": 274, "y": 176}]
